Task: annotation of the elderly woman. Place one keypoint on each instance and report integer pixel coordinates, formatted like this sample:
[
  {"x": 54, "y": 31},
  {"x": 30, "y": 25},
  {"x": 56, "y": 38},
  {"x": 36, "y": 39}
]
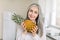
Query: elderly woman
[{"x": 34, "y": 14}]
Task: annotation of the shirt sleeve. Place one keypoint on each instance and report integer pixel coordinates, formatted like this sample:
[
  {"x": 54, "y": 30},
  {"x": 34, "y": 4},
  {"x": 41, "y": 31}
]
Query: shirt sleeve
[{"x": 36, "y": 37}]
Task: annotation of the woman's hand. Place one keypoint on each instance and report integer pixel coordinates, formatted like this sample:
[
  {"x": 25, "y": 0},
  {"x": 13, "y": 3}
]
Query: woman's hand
[
  {"x": 23, "y": 25},
  {"x": 34, "y": 30},
  {"x": 24, "y": 28}
]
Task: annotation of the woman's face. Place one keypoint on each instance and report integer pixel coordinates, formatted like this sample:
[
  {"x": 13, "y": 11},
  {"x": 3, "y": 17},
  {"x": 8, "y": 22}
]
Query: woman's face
[{"x": 33, "y": 13}]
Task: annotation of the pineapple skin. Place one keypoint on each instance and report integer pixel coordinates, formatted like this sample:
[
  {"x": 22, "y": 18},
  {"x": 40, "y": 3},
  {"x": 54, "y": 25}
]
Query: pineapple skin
[{"x": 29, "y": 25}]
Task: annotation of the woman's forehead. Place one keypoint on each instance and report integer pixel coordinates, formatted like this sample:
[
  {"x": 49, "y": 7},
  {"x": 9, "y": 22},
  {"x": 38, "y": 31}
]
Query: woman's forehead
[{"x": 34, "y": 6}]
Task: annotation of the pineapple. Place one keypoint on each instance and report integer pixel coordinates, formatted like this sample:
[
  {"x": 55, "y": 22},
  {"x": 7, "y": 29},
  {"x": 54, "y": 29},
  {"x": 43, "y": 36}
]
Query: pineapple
[{"x": 29, "y": 25}]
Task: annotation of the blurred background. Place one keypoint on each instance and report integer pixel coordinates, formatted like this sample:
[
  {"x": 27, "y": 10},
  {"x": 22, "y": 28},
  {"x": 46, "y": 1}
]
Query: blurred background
[{"x": 50, "y": 10}]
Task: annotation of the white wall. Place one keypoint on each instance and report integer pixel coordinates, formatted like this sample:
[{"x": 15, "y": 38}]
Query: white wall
[
  {"x": 18, "y": 6},
  {"x": 50, "y": 12},
  {"x": 53, "y": 13},
  {"x": 58, "y": 12}
]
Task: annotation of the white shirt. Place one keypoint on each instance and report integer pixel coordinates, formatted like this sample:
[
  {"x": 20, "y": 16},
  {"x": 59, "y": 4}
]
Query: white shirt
[{"x": 28, "y": 36}]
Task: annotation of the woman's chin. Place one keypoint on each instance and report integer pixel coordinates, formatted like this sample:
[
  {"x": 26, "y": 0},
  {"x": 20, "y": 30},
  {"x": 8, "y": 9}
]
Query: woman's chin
[{"x": 32, "y": 19}]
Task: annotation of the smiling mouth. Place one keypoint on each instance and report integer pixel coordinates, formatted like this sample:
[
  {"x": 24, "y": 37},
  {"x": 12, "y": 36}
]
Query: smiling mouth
[{"x": 31, "y": 16}]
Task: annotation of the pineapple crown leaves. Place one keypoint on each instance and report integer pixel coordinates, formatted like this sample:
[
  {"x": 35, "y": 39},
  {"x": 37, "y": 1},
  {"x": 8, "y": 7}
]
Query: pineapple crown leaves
[{"x": 17, "y": 18}]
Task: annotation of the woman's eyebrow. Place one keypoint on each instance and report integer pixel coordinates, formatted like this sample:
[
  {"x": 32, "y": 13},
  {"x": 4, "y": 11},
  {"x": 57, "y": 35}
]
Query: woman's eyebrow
[{"x": 31, "y": 10}]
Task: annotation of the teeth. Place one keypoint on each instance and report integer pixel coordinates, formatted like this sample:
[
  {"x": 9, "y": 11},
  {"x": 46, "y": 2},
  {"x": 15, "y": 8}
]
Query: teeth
[{"x": 29, "y": 25}]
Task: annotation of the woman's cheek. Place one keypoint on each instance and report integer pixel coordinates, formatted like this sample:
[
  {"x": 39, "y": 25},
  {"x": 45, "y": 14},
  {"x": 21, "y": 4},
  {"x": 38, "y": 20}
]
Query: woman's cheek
[{"x": 36, "y": 16}]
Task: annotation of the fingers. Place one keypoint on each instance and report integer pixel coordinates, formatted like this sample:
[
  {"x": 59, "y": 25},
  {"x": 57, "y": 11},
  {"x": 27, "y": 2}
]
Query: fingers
[
  {"x": 34, "y": 30},
  {"x": 23, "y": 25},
  {"x": 36, "y": 27}
]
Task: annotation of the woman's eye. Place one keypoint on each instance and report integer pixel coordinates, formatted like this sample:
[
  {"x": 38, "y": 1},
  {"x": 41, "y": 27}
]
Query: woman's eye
[
  {"x": 31, "y": 10},
  {"x": 35, "y": 12}
]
